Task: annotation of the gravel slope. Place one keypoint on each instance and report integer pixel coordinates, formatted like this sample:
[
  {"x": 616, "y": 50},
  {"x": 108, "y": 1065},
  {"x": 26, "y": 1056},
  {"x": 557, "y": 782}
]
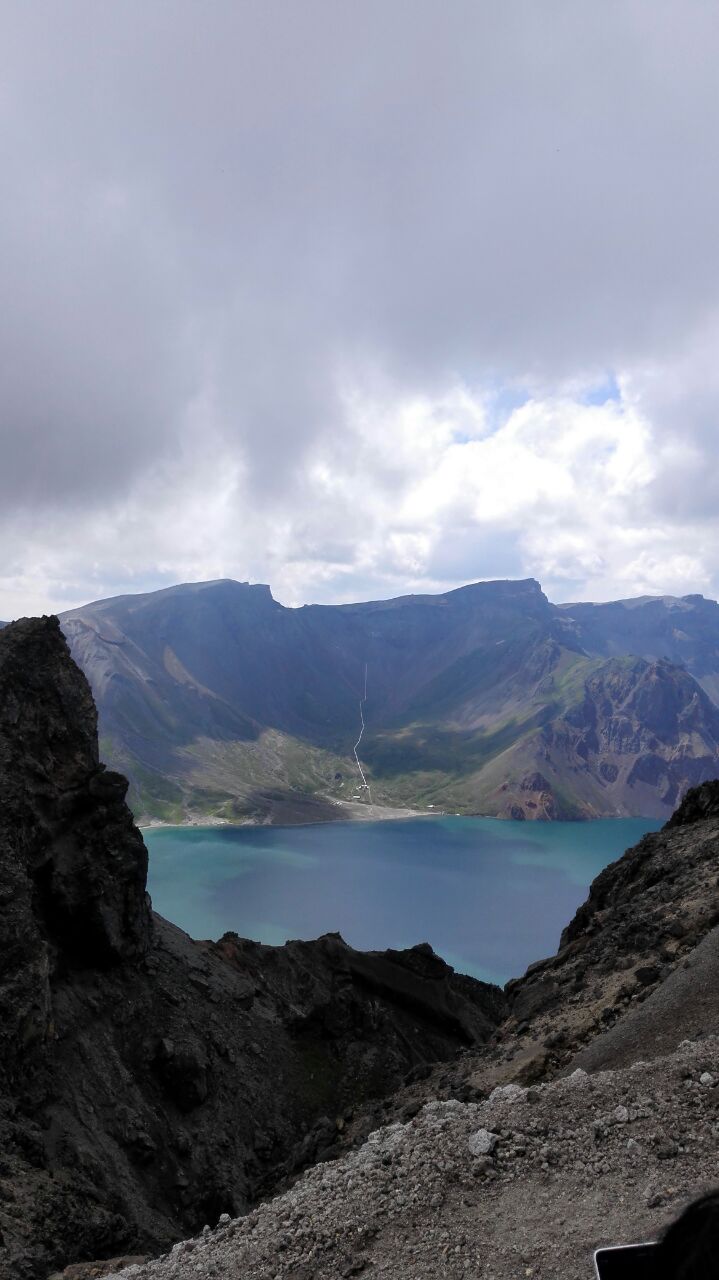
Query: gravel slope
[
  {"x": 526, "y": 1183},
  {"x": 683, "y": 1005}
]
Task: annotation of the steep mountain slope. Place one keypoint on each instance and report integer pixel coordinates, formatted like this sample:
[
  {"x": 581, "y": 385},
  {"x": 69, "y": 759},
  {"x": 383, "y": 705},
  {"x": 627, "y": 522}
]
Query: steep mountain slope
[
  {"x": 632, "y": 737},
  {"x": 216, "y": 700},
  {"x": 214, "y": 691},
  {"x": 685, "y": 630},
  {"x": 147, "y": 1081}
]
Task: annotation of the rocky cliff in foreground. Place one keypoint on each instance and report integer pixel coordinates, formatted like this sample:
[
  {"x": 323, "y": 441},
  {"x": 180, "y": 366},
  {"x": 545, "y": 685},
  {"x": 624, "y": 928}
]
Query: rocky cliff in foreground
[{"x": 149, "y": 1083}]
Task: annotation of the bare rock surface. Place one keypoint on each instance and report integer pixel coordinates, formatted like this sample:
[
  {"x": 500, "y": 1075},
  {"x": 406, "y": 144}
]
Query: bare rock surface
[
  {"x": 685, "y": 1003},
  {"x": 630, "y": 959},
  {"x": 583, "y": 1161}
]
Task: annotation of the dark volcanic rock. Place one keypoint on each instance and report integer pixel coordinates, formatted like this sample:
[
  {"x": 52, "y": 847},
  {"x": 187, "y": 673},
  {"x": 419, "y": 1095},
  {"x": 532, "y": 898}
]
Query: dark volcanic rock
[
  {"x": 149, "y": 1083},
  {"x": 644, "y": 916},
  {"x": 636, "y": 973},
  {"x": 698, "y": 804},
  {"x": 60, "y": 904}
]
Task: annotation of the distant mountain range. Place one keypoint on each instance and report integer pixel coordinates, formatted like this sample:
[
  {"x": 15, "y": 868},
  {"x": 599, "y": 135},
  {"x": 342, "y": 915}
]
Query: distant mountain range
[{"x": 218, "y": 702}]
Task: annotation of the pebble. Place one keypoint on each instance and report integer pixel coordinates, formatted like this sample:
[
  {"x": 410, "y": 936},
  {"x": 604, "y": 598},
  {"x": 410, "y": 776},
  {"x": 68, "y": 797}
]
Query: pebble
[{"x": 482, "y": 1143}]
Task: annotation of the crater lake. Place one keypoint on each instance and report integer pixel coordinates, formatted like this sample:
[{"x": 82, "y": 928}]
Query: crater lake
[{"x": 490, "y": 896}]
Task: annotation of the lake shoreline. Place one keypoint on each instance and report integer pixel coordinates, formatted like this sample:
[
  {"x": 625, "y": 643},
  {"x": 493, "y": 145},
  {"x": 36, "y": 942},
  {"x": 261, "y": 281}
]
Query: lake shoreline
[
  {"x": 489, "y": 896},
  {"x": 375, "y": 813},
  {"x": 368, "y": 813}
]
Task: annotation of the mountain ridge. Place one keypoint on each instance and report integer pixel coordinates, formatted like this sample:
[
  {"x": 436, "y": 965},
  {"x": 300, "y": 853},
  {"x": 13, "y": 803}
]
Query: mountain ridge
[{"x": 219, "y": 702}]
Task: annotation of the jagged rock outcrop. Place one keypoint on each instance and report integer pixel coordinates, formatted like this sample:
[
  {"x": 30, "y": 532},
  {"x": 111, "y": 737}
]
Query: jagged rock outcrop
[
  {"x": 58, "y": 804},
  {"x": 631, "y": 737},
  {"x": 645, "y": 915},
  {"x": 149, "y": 1083},
  {"x": 636, "y": 972},
  {"x": 699, "y": 804}
]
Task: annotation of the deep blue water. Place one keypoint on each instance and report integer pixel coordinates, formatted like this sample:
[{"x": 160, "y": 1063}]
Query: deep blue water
[{"x": 490, "y": 896}]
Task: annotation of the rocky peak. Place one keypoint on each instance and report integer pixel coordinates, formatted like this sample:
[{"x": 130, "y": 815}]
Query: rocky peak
[
  {"x": 699, "y": 803},
  {"x": 79, "y": 861}
]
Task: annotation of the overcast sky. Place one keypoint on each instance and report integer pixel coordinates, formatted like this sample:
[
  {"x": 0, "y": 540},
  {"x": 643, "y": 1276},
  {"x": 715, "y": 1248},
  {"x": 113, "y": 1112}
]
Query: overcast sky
[{"x": 358, "y": 298}]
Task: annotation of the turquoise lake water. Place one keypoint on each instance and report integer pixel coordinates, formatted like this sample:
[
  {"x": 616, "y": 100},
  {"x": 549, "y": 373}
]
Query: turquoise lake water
[{"x": 490, "y": 896}]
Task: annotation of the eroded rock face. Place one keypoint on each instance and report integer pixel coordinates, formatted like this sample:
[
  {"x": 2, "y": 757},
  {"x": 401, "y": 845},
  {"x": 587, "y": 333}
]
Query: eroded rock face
[
  {"x": 74, "y": 865},
  {"x": 149, "y": 1083},
  {"x": 636, "y": 972},
  {"x": 698, "y": 805},
  {"x": 644, "y": 915}
]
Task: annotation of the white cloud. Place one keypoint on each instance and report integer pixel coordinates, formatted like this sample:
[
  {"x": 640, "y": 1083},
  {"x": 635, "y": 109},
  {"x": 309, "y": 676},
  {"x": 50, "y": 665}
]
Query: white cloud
[
  {"x": 339, "y": 315},
  {"x": 392, "y": 502}
]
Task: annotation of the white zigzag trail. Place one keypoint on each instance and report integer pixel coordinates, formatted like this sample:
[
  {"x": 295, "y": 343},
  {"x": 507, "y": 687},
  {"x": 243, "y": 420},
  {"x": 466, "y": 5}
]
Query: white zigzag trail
[{"x": 365, "y": 785}]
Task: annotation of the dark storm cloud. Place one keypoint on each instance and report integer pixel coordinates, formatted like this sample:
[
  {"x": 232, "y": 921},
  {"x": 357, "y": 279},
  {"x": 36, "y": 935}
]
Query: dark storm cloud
[{"x": 229, "y": 201}]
